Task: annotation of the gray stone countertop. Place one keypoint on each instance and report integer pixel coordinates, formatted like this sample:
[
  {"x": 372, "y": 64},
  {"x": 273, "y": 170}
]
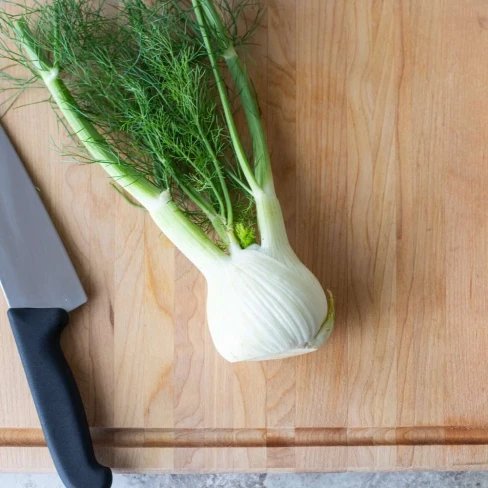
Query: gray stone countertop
[{"x": 343, "y": 480}]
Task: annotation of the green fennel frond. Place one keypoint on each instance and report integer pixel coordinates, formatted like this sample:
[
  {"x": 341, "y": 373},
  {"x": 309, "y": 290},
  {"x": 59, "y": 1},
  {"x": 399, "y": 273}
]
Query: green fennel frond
[{"x": 141, "y": 76}]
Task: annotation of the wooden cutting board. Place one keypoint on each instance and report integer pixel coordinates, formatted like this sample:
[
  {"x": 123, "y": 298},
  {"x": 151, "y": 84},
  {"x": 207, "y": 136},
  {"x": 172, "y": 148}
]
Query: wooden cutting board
[{"x": 377, "y": 113}]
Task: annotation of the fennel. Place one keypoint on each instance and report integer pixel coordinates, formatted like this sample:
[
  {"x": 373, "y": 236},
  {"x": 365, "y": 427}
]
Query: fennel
[{"x": 140, "y": 87}]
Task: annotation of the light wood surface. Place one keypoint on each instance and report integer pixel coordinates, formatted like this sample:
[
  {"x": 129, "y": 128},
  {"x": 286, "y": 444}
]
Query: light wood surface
[{"x": 377, "y": 113}]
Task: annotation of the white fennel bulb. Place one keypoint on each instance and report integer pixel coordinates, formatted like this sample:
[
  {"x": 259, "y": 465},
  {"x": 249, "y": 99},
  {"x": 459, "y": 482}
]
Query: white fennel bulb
[
  {"x": 263, "y": 303},
  {"x": 260, "y": 308}
]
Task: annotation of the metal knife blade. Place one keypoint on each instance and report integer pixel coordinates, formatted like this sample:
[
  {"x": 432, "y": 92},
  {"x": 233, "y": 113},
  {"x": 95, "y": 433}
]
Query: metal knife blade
[{"x": 35, "y": 269}]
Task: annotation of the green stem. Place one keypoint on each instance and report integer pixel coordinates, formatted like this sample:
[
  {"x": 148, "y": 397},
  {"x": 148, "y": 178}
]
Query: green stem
[
  {"x": 262, "y": 160},
  {"x": 204, "y": 175},
  {"x": 270, "y": 217},
  {"x": 239, "y": 149},
  {"x": 123, "y": 194},
  {"x": 196, "y": 198},
  {"x": 138, "y": 186},
  {"x": 238, "y": 180},
  {"x": 218, "y": 169},
  {"x": 189, "y": 239},
  {"x": 184, "y": 234},
  {"x": 214, "y": 218},
  {"x": 206, "y": 208}
]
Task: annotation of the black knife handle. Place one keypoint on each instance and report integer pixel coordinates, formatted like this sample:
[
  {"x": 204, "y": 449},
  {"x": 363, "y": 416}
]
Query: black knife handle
[{"x": 58, "y": 402}]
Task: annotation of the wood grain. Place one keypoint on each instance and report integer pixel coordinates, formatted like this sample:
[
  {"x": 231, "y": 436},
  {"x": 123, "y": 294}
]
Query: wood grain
[
  {"x": 282, "y": 129},
  {"x": 377, "y": 116}
]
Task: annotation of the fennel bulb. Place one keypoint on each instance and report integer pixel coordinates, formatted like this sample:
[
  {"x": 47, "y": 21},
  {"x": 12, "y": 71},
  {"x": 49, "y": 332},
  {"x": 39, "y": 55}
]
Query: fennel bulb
[
  {"x": 263, "y": 302},
  {"x": 141, "y": 90},
  {"x": 259, "y": 308}
]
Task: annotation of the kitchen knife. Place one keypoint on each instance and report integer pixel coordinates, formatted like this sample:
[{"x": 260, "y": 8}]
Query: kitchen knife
[{"x": 41, "y": 287}]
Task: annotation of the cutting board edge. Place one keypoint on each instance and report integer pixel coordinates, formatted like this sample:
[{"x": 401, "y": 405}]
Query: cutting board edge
[{"x": 201, "y": 438}]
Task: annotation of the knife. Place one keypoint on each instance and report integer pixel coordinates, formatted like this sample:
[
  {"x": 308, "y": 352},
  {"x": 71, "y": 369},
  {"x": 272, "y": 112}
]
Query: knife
[{"x": 42, "y": 287}]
